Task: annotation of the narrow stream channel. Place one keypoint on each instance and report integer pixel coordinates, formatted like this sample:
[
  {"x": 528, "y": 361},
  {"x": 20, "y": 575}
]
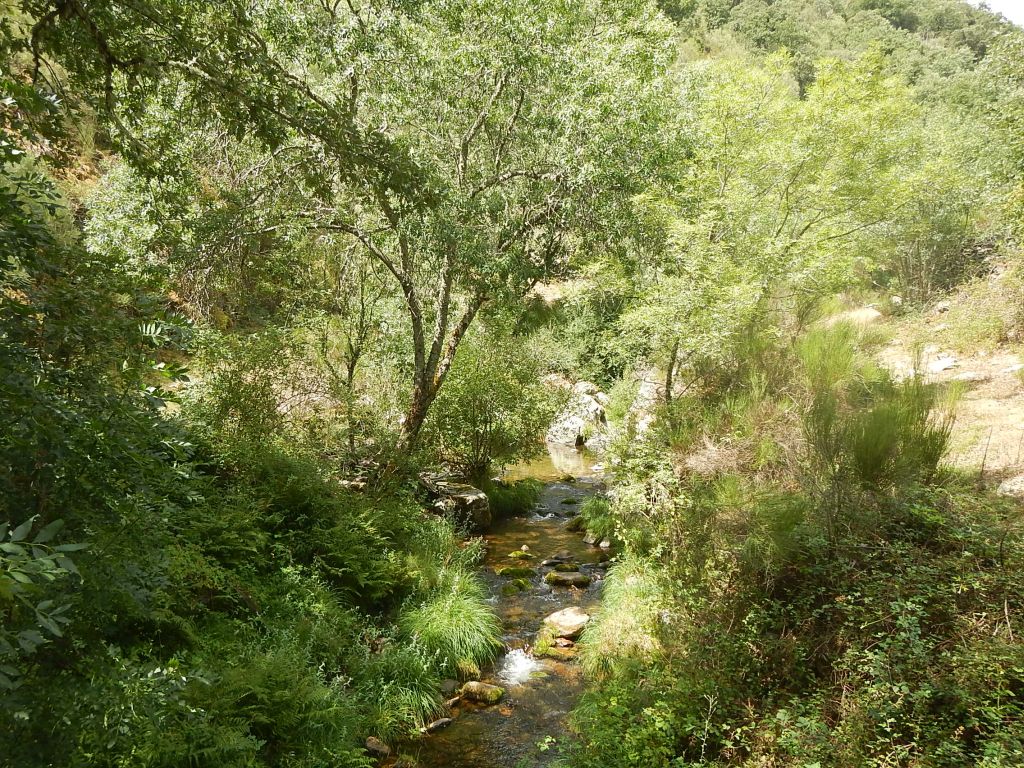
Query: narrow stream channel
[{"x": 539, "y": 693}]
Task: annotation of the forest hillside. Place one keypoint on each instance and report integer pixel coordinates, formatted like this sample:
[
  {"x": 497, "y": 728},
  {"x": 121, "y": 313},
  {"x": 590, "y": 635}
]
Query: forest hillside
[{"x": 296, "y": 297}]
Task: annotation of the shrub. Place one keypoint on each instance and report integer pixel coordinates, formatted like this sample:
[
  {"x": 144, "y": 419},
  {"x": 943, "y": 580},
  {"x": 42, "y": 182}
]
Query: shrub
[
  {"x": 597, "y": 517},
  {"x": 492, "y": 410}
]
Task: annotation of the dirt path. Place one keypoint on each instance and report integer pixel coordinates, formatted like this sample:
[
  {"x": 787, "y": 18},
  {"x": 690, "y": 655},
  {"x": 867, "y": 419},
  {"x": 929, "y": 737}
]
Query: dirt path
[{"x": 988, "y": 435}]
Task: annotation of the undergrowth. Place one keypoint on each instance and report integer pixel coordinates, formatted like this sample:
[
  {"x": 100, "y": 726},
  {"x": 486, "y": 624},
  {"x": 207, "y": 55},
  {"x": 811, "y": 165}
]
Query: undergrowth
[{"x": 852, "y": 603}]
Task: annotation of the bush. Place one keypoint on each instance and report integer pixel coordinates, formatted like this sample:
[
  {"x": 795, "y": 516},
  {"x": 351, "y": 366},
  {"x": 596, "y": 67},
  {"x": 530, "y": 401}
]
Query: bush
[
  {"x": 847, "y": 608},
  {"x": 512, "y": 499},
  {"x": 596, "y": 514},
  {"x": 492, "y": 410}
]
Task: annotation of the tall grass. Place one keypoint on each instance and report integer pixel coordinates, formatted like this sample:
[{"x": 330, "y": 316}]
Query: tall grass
[
  {"x": 627, "y": 629},
  {"x": 597, "y": 517},
  {"x": 402, "y": 687},
  {"x": 512, "y": 499},
  {"x": 455, "y": 626}
]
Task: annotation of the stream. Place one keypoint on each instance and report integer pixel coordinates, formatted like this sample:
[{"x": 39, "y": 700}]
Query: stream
[{"x": 539, "y": 693}]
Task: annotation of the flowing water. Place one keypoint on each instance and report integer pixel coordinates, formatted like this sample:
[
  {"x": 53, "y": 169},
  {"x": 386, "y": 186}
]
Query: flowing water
[{"x": 539, "y": 693}]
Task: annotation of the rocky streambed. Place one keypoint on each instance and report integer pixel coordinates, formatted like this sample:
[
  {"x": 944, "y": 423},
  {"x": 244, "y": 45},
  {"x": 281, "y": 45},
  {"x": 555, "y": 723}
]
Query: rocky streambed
[{"x": 545, "y": 582}]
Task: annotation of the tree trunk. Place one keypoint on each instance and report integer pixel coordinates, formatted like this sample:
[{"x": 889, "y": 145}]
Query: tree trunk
[
  {"x": 670, "y": 373},
  {"x": 423, "y": 395}
]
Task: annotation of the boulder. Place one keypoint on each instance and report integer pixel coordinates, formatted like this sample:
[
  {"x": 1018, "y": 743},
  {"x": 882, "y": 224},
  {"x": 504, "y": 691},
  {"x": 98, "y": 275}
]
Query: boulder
[
  {"x": 582, "y": 420},
  {"x": 605, "y": 544},
  {"x": 484, "y": 693},
  {"x": 520, "y": 555},
  {"x": 464, "y": 503},
  {"x": 377, "y": 748},
  {"x": 567, "y": 623},
  {"x": 448, "y": 687},
  {"x": 559, "y": 579},
  {"x": 566, "y": 567},
  {"x": 1013, "y": 486},
  {"x": 943, "y": 362},
  {"x": 649, "y": 394}
]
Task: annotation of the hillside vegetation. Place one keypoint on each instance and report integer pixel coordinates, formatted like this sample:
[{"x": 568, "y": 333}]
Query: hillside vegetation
[{"x": 263, "y": 263}]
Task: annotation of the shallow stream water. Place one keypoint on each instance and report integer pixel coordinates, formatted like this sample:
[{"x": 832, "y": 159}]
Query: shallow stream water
[{"x": 539, "y": 693}]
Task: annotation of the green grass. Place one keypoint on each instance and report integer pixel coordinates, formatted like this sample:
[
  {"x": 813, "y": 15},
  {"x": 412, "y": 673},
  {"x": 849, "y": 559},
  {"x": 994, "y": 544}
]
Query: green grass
[
  {"x": 597, "y": 517},
  {"x": 455, "y": 627},
  {"x": 626, "y": 628},
  {"x": 512, "y": 499}
]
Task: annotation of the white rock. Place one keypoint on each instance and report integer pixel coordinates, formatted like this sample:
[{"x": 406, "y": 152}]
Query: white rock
[
  {"x": 568, "y": 622},
  {"x": 942, "y": 363},
  {"x": 1013, "y": 486}
]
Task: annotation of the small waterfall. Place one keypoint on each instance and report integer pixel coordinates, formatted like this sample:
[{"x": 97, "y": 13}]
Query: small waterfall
[{"x": 517, "y": 667}]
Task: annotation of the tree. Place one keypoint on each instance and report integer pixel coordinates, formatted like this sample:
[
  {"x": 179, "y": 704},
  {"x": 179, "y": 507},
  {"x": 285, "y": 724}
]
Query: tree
[
  {"x": 444, "y": 139},
  {"x": 521, "y": 176}
]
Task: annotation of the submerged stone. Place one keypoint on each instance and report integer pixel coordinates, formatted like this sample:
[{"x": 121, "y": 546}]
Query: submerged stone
[
  {"x": 514, "y": 571},
  {"x": 556, "y": 652}
]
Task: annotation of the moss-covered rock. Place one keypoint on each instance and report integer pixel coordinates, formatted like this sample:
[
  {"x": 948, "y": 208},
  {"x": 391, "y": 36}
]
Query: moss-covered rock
[
  {"x": 560, "y": 579},
  {"x": 514, "y": 571},
  {"x": 483, "y": 693},
  {"x": 514, "y": 587},
  {"x": 556, "y": 652}
]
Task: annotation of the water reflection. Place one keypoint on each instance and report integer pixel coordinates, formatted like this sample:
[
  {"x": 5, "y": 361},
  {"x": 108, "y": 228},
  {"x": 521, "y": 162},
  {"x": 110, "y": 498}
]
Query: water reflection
[{"x": 559, "y": 461}]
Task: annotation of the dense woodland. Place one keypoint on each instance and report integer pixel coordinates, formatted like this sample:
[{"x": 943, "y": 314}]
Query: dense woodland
[{"x": 262, "y": 262}]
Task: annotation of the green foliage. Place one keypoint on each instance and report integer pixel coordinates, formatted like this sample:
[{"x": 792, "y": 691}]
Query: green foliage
[
  {"x": 598, "y": 521},
  {"x": 455, "y": 626},
  {"x": 27, "y": 566},
  {"x": 331, "y": 212},
  {"x": 822, "y": 612},
  {"x": 493, "y": 410},
  {"x": 512, "y": 499}
]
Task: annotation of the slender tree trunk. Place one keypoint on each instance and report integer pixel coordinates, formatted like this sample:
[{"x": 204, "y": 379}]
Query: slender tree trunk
[
  {"x": 430, "y": 376},
  {"x": 671, "y": 372}
]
